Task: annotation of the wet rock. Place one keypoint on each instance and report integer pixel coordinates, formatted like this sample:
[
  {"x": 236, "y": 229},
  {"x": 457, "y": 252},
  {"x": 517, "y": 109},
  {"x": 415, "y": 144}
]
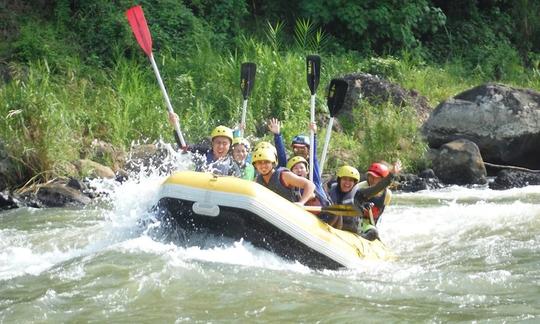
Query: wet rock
[
  {"x": 459, "y": 162},
  {"x": 504, "y": 122},
  {"x": 7, "y": 168},
  {"x": 106, "y": 153},
  {"x": 377, "y": 91},
  {"x": 91, "y": 169},
  {"x": 507, "y": 179},
  {"x": 121, "y": 175},
  {"x": 412, "y": 183},
  {"x": 60, "y": 195},
  {"x": 7, "y": 201}
]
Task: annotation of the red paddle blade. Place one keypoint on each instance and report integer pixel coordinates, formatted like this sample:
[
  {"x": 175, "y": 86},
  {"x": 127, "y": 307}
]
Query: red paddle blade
[{"x": 139, "y": 27}]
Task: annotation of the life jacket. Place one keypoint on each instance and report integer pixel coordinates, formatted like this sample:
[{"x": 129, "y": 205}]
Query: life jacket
[
  {"x": 276, "y": 184},
  {"x": 247, "y": 171},
  {"x": 222, "y": 166},
  {"x": 379, "y": 202},
  {"x": 345, "y": 198}
]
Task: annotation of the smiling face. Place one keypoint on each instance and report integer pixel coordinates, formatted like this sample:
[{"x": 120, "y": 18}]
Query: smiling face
[
  {"x": 301, "y": 150},
  {"x": 300, "y": 170},
  {"x": 220, "y": 146},
  {"x": 239, "y": 153},
  {"x": 346, "y": 184},
  {"x": 264, "y": 167},
  {"x": 373, "y": 180}
]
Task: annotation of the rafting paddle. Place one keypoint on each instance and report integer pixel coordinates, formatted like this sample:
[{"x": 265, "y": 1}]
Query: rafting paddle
[
  {"x": 335, "y": 99},
  {"x": 140, "y": 29},
  {"x": 313, "y": 69},
  {"x": 247, "y": 80},
  {"x": 339, "y": 210}
]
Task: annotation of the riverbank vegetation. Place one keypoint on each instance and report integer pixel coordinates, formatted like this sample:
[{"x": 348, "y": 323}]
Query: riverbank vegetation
[{"x": 72, "y": 71}]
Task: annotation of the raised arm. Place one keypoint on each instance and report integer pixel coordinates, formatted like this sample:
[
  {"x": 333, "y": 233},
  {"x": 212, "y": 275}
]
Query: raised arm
[
  {"x": 308, "y": 188},
  {"x": 274, "y": 126}
]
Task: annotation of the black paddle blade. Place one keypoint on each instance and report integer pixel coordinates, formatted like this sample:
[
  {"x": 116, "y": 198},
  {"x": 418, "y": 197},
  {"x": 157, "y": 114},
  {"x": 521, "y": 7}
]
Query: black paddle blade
[
  {"x": 313, "y": 68},
  {"x": 247, "y": 78},
  {"x": 336, "y": 95}
]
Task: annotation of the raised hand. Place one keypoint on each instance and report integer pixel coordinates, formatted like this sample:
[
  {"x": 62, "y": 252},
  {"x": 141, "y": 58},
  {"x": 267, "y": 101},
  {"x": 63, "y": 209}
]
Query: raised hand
[
  {"x": 396, "y": 167},
  {"x": 313, "y": 127},
  {"x": 274, "y": 126},
  {"x": 173, "y": 118}
]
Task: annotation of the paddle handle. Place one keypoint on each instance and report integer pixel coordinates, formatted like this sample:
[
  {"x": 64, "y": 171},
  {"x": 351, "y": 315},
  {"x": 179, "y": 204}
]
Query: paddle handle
[
  {"x": 326, "y": 143},
  {"x": 167, "y": 100},
  {"x": 312, "y": 139},
  {"x": 243, "y": 120}
]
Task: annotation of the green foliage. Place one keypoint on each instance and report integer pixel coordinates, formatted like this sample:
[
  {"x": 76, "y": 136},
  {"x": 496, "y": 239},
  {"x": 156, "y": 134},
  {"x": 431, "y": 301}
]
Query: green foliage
[
  {"x": 383, "y": 26},
  {"x": 78, "y": 74}
]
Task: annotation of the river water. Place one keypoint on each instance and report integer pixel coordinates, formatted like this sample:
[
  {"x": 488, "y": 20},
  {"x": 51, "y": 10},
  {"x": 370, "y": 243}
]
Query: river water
[{"x": 464, "y": 255}]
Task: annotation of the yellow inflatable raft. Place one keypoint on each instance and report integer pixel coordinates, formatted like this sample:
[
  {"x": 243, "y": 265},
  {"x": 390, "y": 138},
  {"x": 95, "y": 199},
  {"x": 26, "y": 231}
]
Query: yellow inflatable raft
[{"x": 238, "y": 209}]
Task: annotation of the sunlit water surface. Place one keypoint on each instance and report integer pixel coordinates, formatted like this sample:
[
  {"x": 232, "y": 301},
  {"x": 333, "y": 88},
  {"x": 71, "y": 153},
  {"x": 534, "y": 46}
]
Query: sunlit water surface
[{"x": 464, "y": 254}]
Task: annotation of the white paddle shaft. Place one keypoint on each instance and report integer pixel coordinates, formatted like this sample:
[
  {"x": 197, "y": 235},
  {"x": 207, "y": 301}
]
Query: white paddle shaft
[{"x": 167, "y": 101}]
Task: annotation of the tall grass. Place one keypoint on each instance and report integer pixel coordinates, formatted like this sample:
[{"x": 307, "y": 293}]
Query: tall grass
[{"x": 49, "y": 117}]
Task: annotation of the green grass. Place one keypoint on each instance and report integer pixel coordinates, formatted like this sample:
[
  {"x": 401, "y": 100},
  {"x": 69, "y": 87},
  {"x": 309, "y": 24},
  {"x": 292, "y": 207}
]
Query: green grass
[{"x": 49, "y": 116}]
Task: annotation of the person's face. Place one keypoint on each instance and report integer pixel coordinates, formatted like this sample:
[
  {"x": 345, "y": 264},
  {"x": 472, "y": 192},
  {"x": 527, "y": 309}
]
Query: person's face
[
  {"x": 301, "y": 150},
  {"x": 220, "y": 146},
  {"x": 239, "y": 153},
  {"x": 263, "y": 167},
  {"x": 346, "y": 184},
  {"x": 300, "y": 170},
  {"x": 373, "y": 180}
]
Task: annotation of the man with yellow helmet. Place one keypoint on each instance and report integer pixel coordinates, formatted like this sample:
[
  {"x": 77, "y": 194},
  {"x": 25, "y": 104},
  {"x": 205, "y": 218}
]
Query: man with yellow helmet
[
  {"x": 216, "y": 159},
  {"x": 279, "y": 179}
]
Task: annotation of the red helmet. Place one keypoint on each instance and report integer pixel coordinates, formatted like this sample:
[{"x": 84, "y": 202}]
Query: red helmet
[{"x": 378, "y": 170}]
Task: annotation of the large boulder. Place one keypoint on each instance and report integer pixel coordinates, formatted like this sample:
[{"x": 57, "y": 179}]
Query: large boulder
[
  {"x": 377, "y": 90},
  {"x": 503, "y": 121},
  {"x": 459, "y": 162}
]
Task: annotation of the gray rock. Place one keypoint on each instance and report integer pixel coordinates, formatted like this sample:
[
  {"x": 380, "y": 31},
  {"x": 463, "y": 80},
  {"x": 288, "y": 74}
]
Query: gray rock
[
  {"x": 7, "y": 201},
  {"x": 377, "y": 90},
  {"x": 504, "y": 122},
  {"x": 459, "y": 162},
  {"x": 507, "y": 179},
  {"x": 60, "y": 195},
  {"x": 93, "y": 169},
  {"x": 423, "y": 181}
]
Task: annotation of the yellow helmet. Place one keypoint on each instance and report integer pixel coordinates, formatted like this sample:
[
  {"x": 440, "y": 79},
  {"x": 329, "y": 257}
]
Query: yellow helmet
[
  {"x": 222, "y": 131},
  {"x": 265, "y": 145},
  {"x": 295, "y": 160},
  {"x": 241, "y": 140},
  {"x": 348, "y": 171},
  {"x": 263, "y": 154}
]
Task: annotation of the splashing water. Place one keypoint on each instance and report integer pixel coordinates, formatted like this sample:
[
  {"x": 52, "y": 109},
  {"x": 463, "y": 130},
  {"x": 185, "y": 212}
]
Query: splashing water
[{"x": 464, "y": 254}]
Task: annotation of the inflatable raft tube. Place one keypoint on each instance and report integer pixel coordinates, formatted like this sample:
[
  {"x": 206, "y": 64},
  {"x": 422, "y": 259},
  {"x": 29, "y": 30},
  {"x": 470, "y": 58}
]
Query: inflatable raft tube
[{"x": 241, "y": 209}]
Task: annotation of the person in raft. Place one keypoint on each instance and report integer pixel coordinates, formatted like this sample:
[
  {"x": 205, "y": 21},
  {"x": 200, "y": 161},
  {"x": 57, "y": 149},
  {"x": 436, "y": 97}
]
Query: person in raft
[
  {"x": 342, "y": 192},
  {"x": 240, "y": 151},
  {"x": 216, "y": 159},
  {"x": 373, "y": 195},
  {"x": 300, "y": 146},
  {"x": 279, "y": 179},
  {"x": 300, "y": 166}
]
